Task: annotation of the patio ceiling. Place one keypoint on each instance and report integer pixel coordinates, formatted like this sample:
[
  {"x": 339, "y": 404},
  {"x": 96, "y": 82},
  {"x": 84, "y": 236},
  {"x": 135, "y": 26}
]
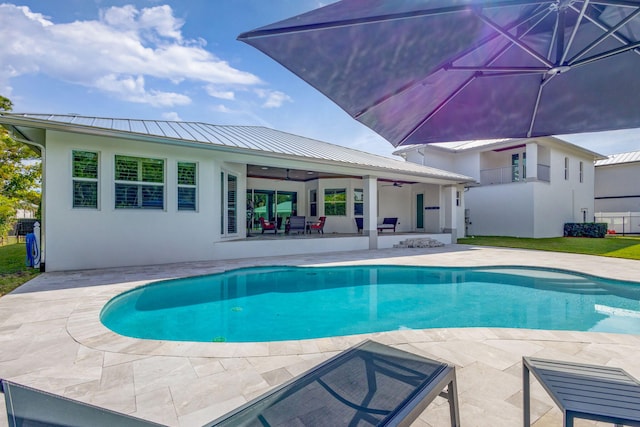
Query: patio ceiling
[{"x": 285, "y": 174}]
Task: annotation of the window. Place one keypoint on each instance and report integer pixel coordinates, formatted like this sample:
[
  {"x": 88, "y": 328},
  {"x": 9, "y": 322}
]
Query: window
[
  {"x": 232, "y": 202},
  {"x": 515, "y": 167},
  {"x": 335, "y": 202},
  {"x": 139, "y": 183},
  {"x": 581, "y": 172},
  {"x": 457, "y": 198},
  {"x": 228, "y": 204},
  {"x": 187, "y": 189},
  {"x": 358, "y": 201},
  {"x": 566, "y": 168},
  {"x": 313, "y": 203},
  {"x": 85, "y": 179}
]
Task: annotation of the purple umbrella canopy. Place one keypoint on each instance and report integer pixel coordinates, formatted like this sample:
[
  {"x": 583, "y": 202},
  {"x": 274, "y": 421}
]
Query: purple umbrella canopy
[{"x": 421, "y": 71}]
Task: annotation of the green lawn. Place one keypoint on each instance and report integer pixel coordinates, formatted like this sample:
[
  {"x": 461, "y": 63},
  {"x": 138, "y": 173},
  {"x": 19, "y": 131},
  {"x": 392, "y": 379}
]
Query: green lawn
[
  {"x": 13, "y": 271},
  {"x": 616, "y": 247}
]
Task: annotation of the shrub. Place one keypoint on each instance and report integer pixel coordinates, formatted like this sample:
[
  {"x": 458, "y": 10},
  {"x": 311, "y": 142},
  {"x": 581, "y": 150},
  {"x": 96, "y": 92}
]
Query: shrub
[{"x": 585, "y": 229}]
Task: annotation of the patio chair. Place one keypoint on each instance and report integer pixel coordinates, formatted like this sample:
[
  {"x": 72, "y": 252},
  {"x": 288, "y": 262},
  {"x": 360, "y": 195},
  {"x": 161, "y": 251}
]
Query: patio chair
[
  {"x": 388, "y": 224},
  {"x": 370, "y": 384},
  {"x": 319, "y": 226},
  {"x": 267, "y": 225},
  {"x": 296, "y": 223},
  {"x": 28, "y": 406}
]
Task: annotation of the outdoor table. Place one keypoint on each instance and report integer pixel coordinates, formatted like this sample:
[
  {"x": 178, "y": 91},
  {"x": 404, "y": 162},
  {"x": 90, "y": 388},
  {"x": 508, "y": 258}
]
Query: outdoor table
[
  {"x": 598, "y": 393},
  {"x": 369, "y": 384}
]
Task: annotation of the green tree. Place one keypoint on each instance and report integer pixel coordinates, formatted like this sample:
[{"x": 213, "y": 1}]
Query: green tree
[{"x": 20, "y": 175}]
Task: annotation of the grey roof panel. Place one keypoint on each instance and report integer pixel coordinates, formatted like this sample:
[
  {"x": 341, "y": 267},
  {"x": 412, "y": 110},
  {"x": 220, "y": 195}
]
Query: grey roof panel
[
  {"x": 614, "y": 159},
  {"x": 242, "y": 137}
]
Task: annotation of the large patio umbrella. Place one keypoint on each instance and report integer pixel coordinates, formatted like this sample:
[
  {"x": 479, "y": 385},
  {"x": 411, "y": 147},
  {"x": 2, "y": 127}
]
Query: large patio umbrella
[{"x": 420, "y": 71}]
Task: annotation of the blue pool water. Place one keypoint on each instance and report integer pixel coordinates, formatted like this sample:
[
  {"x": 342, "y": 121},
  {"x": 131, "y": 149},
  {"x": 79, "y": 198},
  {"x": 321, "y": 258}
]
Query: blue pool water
[{"x": 289, "y": 303}]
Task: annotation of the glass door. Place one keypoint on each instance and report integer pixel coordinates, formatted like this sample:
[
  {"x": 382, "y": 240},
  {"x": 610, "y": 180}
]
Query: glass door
[{"x": 419, "y": 211}]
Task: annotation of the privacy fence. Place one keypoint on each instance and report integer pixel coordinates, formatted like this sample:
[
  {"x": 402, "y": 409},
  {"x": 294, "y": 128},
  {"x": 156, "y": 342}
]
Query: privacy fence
[{"x": 620, "y": 222}]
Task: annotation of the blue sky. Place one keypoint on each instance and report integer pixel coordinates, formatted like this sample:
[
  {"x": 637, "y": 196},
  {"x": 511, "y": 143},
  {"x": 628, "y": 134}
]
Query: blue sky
[{"x": 178, "y": 60}]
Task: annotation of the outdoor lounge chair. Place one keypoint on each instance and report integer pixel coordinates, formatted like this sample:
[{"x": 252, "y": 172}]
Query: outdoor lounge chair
[
  {"x": 318, "y": 226},
  {"x": 370, "y": 384},
  {"x": 267, "y": 225},
  {"x": 591, "y": 392},
  {"x": 27, "y": 406},
  {"x": 388, "y": 224},
  {"x": 295, "y": 223}
]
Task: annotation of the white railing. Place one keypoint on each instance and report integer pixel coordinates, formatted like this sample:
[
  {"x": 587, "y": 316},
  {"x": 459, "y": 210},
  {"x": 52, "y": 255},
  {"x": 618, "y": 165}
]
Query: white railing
[
  {"x": 509, "y": 174},
  {"x": 544, "y": 173}
]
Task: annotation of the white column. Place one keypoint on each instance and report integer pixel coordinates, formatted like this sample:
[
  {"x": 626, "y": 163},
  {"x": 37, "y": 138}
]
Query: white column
[
  {"x": 532, "y": 161},
  {"x": 370, "y": 210},
  {"x": 451, "y": 211}
]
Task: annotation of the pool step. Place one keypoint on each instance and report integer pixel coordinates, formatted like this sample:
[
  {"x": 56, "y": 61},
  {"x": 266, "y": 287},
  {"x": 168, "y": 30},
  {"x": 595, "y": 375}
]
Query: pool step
[{"x": 422, "y": 242}]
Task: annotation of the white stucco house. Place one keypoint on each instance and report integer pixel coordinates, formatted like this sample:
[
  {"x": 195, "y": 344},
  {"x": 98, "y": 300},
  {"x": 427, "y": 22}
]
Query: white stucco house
[
  {"x": 523, "y": 187},
  {"x": 122, "y": 192},
  {"x": 617, "y": 192}
]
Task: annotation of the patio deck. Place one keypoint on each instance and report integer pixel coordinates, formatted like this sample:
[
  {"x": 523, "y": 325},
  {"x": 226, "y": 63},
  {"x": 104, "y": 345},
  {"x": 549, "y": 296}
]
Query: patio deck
[{"x": 51, "y": 338}]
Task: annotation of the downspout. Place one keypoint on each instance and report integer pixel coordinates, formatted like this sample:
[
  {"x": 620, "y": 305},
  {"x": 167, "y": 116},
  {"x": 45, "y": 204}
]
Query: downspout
[{"x": 42, "y": 199}]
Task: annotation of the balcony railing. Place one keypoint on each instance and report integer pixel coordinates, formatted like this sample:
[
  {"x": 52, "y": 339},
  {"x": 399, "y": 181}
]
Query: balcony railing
[{"x": 509, "y": 174}]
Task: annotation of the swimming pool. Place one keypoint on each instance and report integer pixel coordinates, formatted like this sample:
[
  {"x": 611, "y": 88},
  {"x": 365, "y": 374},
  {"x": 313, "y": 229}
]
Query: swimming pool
[{"x": 290, "y": 303}]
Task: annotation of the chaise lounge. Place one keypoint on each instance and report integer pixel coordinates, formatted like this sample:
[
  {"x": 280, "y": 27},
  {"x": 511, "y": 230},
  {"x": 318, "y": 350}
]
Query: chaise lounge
[
  {"x": 369, "y": 384},
  {"x": 388, "y": 224},
  {"x": 28, "y": 406}
]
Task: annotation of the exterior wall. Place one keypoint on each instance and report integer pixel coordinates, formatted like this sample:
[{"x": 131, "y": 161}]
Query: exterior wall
[
  {"x": 619, "y": 183},
  {"x": 106, "y": 237},
  {"x": 564, "y": 200},
  {"x": 500, "y": 210}
]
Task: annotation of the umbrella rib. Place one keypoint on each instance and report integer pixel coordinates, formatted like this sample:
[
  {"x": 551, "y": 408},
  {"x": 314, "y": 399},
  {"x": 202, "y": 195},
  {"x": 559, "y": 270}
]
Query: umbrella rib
[
  {"x": 604, "y": 27},
  {"x": 607, "y": 34},
  {"x": 515, "y": 40},
  {"x": 438, "y": 108},
  {"x": 534, "y": 113},
  {"x": 607, "y": 54},
  {"x": 573, "y": 33}
]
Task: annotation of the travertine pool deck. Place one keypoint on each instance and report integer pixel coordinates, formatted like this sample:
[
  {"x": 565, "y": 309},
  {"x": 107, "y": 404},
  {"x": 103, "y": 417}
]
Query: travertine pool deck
[{"x": 51, "y": 338}]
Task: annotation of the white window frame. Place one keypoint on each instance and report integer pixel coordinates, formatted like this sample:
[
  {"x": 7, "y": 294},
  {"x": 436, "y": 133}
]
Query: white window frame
[
  {"x": 75, "y": 179},
  {"x": 140, "y": 184},
  {"x": 226, "y": 219},
  {"x": 581, "y": 172},
  {"x": 194, "y": 186}
]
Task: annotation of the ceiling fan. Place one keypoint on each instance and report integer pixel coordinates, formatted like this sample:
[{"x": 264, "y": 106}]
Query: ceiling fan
[{"x": 395, "y": 184}]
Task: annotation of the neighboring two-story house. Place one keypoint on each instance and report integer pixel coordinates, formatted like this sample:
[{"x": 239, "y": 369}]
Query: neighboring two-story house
[
  {"x": 524, "y": 187},
  {"x": 617, "y": 192}
]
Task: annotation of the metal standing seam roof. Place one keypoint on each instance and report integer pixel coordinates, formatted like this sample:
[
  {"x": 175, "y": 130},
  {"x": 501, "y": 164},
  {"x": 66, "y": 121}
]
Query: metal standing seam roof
[
  {"x": 616, "y": 159},
  {"x": 461, "y": 146},
  {"x": 256, "y": 138}
]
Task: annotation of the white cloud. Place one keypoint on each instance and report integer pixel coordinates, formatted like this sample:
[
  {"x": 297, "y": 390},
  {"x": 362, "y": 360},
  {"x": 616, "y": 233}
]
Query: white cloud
[
  {"x": 273, "y": 98},
  {"x": 220, "y": 109},
  {"x": 171, "y": 116},
  {"x": 132, "y": 89},
  {"x": 221, "y": 94},
  {"x": 107, "y": 53}
]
